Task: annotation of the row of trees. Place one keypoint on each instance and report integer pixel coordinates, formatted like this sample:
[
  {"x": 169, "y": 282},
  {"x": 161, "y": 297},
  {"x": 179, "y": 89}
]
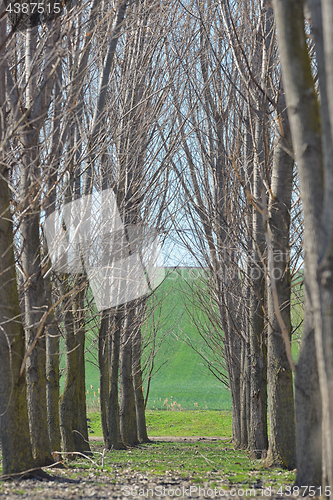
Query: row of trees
[
  {"x": 180, "y": 111},
  {"x": 72, "y": 126}
]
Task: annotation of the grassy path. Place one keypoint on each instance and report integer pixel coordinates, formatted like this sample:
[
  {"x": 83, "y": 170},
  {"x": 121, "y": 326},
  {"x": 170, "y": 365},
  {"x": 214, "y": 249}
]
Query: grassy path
[
  {"x": 178, "y": 423},
  {"x": 172, "y": 462}
]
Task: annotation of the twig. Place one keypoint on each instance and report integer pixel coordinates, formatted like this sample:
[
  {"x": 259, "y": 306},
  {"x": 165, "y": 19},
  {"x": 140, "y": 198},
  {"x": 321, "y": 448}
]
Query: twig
[{"x": 77, "y": 453}]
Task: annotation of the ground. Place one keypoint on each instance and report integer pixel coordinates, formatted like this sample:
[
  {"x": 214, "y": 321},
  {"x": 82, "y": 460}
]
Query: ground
[
  {"x": 170, "y": 467},
  {"x": 127, "y": 485}
]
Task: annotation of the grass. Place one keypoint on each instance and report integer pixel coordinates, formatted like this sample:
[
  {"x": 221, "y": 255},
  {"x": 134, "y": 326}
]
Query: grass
[
  {"x": 199, "y": 462},
  {"x": 180, "y": 373},
  {"x": 216, "y": 464},
  {"x": 180, "y": 376},
  {"x": 94, "y": 424},
  {"x": 181, "y": 383},
  {"x": 189, "y": 423},
  {"x": 178, "y": 423},
  {"x": 207, "y": 464}
]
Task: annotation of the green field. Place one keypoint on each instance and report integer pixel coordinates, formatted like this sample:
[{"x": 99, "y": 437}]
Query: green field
[
  {"x": 181, "y": 380},
  {"x": 201, "y": 461},
  {"x": 180, "y": 423}
]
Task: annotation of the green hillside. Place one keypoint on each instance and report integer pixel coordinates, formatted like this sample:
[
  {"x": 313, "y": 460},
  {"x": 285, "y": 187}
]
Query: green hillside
[
  {"x": 180, "y": 376},
  {"x": 181, "y": 379},
  {"x": 184, "y": 378}
]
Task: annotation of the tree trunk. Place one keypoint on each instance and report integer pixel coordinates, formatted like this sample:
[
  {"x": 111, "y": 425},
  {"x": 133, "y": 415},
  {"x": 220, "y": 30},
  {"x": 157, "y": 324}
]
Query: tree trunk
[
  {"x": 303, "y": 112},
  {"x": 323, "y": 270},
  {"x": 35, "y": 303},
  {"x": 113, "y": 415},
  {"x": 244, "y": 395},
  {"x": 308, "y": 405},
  {"x": 68, "y": 400},
  {"x": 34, "y": 293},
  {"x": 127, "y": 413},
  {"x": 246, "y": 353},
  {"x": 52, "y": 375},
  {"x": 73, "y": 411},
  {"x": 258, "y": 440},
  {"x": 103, "y": 363},
  {"x": 282, "y": 448},
  {"x": 80, "y": 428},
  {"x": 14, "y": 424},
  {"x": 51, "y": 329},
  {"x": 234, "y": 361},
  {"x": 137, "y": 381}
]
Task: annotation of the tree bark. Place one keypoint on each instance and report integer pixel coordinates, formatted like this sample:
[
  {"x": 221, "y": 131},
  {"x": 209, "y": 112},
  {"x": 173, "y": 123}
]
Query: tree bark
[
  {"x": 14, "y": 424},
  {"x": 258, "y": 439},
  {"x": 103, "y": 363},
  {"x": 234, "y": 374},
  {"x": 51, "y": 328},
  {"x": 303, "y": 112},
  {"x": 246, "y": 352},
  {"x": 35, "y": 303},
  {"x": 52, "y": 375},
  {"x": 137, "y": 381},
  {"x": 282, "y": 448},
  {"x": 68, "y": 400},
  {"x": 244, "y": 395},
  {"x": 73, "y": 411},
  {"x": 308, "y": 412},
  {"x": 80, "y": 428},
  {"x": 115, "y": 441},
  {"x": 127, "y": 413},
  {"x": 37, "y": 101}
]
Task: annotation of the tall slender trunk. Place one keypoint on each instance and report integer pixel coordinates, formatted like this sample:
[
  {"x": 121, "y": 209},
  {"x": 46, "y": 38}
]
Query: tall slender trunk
[
  {"x": 246, "y": 353},
  {"x": 34, "y": 293},
  {"x": 244, "y": 395},
  {"x": 52, "y": 373},
  {"x": 114, "y": 353},
  {"x": 35, "y": 302},
  {"x": 234, "y": 355},
  {"x": 305, "y": 125},
  {"x": 14, "y": 424},
  {"x": 282, "y": 446},
  {"x": 103, "y": 363},
  {"x": 51, "y": 329},
  {"x": 73, "y": 411},
  {"x": 258, "y": 439},
  {"x": 137, "y": 379},
  {"x": 127, "y": 413},
  {"x": 308, "y": 412},
  {"x": 68, "y": 401},
  {"x": 308, "y": 404},
  {"x": 80, "y": 428}
]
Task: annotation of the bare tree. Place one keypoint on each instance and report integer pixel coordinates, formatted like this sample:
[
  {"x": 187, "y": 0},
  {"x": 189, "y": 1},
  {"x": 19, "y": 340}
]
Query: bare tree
[
  {"x": 14, "y": 424},
  {"x": 311, "y": 127}
]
